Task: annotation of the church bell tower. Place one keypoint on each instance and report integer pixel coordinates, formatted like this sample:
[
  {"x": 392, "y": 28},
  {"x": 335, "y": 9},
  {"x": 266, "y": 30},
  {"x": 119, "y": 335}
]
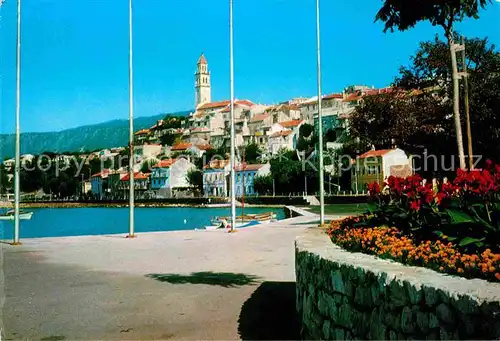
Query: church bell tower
[{"x": 202, "y": 82}]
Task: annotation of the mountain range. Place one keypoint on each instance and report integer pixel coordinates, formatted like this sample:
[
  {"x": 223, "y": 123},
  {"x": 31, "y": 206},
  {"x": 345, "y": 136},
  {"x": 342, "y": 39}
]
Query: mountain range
[{"x": 85, "y": 138}]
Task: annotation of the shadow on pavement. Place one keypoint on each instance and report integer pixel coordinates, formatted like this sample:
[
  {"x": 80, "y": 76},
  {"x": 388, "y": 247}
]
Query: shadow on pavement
[
  {"x": 269, "y": 314},
  {"x": 223, "y": 279}
]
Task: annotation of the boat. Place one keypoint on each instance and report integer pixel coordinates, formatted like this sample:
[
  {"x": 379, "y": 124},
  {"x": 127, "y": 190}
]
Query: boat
[
  {"x": 9, "y": 215},
  {"x": 262, "y": 218},
  {"x": 238, "y": 225}
]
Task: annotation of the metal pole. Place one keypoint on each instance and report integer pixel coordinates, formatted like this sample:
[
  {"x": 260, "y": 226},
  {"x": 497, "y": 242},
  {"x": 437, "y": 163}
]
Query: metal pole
[
  {"x": 231, "y": 80},
  {"x": 131, "y": 126},
  {"x": 466, "y": 100},
  {"x": 320, "y": 121},
  {"x": 17, "y": 183}
]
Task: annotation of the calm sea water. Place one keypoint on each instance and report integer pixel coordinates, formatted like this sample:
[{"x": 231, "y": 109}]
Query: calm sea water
[{"x": 59, "y": 222}]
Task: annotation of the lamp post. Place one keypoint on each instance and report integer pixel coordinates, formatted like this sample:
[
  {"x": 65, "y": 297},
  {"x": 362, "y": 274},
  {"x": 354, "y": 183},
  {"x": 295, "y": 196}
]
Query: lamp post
[
  {"x": 320, "y": 120},
  {"x": 131, "y": 126},
  {"x": 231, "y": 84},
  {"x": 17, "y": 166}
]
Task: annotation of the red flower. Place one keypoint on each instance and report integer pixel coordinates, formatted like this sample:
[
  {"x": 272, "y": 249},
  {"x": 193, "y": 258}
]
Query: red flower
[
  {"x": 374, "y": 188},
  {"x": 415, "y": 205},
  {"x": 440, "y": 197}
]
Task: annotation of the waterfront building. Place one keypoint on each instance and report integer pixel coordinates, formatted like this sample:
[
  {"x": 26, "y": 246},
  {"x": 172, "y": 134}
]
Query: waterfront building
[
  {"x": 169, "y": 177},
  {"x": 141, "y": 185},
  {"x": 245, "y": 177},
  {"x": 378, "y": 165},
  {"x": 216, "y": 178},
  {"x": 99, "y": 184}
]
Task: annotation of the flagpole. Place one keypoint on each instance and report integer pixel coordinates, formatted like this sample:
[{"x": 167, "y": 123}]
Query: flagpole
[
  {"x": 231, "y": 80},
  {"x": 131, "y": 125},
  {"x": 320, "y": 120},
  {"x": 17, "y": 183}
]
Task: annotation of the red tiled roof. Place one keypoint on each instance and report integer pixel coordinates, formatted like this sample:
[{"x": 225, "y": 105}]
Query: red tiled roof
[
  {"x": 105, "y": 173},
  {"x": 260, "y": 117},
  {"x": 217, "y": 164},
  {"x": 203, "y": 146},
  {"x": 181, "y": 146},
  {"x": 374, "y": 153},
  {"x": 352, "y": 97},
  {"x": 292, "y": 123},
  {"x": 240, "y": 168},
  {"x": 165, "y": 163},
  {"x": 281, "y": 133},
  {"x": 137, "y": 176},
  {"x": 202, "y": 59},
  {"x": 245, "y": 102},
  {"x": 336, "y": 96},
  {"x": 213, "y": 105},
  {"x": 142, "y": 132}
]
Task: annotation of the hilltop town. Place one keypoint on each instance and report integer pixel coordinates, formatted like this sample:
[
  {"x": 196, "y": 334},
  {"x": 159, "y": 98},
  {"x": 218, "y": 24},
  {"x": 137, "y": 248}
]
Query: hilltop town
[{"x": 183, "y": 156}]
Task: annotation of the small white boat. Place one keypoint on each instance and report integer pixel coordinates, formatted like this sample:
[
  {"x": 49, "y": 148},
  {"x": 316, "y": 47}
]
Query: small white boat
[{"x": 10, "y": 215}]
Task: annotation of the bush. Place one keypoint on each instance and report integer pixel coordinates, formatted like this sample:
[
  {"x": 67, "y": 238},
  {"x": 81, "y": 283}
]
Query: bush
[{"x": 451, "y": 227}]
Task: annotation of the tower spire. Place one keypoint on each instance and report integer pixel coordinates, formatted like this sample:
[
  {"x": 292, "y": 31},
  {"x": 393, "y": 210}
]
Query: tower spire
[{"x": 202, "y": 82}]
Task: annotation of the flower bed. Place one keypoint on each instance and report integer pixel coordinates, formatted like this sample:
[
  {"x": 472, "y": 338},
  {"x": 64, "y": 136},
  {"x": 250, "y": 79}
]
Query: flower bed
[
  {"x": 453, "y": 227},
  {"x": 390, "y": 243}
]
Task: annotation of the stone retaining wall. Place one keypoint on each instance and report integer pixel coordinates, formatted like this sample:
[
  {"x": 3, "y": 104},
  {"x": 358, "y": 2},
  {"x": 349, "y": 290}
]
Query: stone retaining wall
[{"x": 344, "y": 295}]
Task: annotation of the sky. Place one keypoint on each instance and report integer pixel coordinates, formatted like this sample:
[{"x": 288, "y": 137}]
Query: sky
[{"x": 74, "y": 58}]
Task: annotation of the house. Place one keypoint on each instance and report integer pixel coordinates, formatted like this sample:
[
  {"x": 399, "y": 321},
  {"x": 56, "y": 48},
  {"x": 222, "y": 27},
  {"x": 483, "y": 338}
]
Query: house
[
  {"x": 99, "y": 184},
  {"x": 147, "y": 151},
  {"x": 142, "y": 135},
  {"x": 245, "y": 176},
  {"x": 194, "y": 149},
  {"x": 378, "y": 165},
  {"x": 216, "y": 178},
  {"x": 9, "y": 164},
  {"x": 169, "y": 177},
  {"x": 141, "y": 185},
  {"x": 283, "y": 135},
  {"x": 114, "y": 178}
]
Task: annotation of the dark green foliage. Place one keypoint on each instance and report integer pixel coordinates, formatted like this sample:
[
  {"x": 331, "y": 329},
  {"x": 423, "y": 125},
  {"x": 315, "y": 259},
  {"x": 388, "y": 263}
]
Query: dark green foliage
[
  {"x": 263, "y": 184},
  {"x": 252, "y": 153},
  {"x": 195, "y": 179}
]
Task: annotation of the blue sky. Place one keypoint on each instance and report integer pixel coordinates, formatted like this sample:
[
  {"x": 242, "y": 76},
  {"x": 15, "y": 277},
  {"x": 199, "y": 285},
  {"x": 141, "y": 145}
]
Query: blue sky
[{"x": 75, "y": 62}]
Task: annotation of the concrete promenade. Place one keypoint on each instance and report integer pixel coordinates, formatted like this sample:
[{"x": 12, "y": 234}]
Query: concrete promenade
[{"x": 208, "y": 285}]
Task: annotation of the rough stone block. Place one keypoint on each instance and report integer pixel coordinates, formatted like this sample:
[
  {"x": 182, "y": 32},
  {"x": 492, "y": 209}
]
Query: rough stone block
[
  {"x": 333, "y": 312},
  {"x": 323, "y": 307},
  {"x": 445, "y": 334},
  {"x": 431, "y": 296},
  {"x": 360, "y": 324},
  {"x": 423, "y": 321},
  {"x": 338, "y": 298},
  {"x": 465, "y": 305},
  {"x": 433, "y": 321},
  {"x": 414, "y": 291},
  {"x": 378, "y": 330},
  {"x": 345, "y": 315},
  {"x": 445, "y": 314},
  {"x": 326, "y": 330},
  {"x": 363, "y": 296},
  {"x": 338, "y": 282},
  {"x": 467, "y": 325},
  {"x": 393, "y": 335},
  {"x": 339, "y": 334},
  {"x": 407, "y": 321},
  {"x": 398, "y": 294},
  {"x": 377, "y": 293}
]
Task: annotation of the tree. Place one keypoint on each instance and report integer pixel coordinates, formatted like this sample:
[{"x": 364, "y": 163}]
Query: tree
[
  {"x": 195, "y": 178},
  {"x": 429, "y": 69},
  {"x": 252, "y": 153},
  {"x": 168, "y": 139},
  {"x": 4, "y": 180},
  {"x": 405, "y": 14},
  {"x": 263, "y": 184},
  {"x": 307, "y": 139},
  {"x": 147, "y": 165}
]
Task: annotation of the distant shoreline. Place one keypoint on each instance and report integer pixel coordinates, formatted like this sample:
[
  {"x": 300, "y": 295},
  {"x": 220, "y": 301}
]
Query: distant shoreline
[{"x": 121, "y": 205}]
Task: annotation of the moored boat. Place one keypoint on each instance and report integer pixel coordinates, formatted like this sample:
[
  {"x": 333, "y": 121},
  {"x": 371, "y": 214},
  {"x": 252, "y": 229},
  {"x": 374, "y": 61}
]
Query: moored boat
[{"x": 10, "y": 215}]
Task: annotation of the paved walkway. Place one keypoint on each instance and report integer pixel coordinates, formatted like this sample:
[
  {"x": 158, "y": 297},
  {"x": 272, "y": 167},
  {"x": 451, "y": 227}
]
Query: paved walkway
[{"x": 171, "y": 285}]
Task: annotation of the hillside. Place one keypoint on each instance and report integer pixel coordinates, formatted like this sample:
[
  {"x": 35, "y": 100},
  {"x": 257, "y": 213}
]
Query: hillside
[{"x": 103, "y": 135}]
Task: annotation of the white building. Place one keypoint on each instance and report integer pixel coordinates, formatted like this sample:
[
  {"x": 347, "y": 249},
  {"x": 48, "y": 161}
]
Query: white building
[{"x": 378, "y": 165}]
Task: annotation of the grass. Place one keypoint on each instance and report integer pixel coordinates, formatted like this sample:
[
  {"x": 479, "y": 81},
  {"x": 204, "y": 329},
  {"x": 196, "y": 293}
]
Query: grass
[{"x": 340, "y": 209}]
